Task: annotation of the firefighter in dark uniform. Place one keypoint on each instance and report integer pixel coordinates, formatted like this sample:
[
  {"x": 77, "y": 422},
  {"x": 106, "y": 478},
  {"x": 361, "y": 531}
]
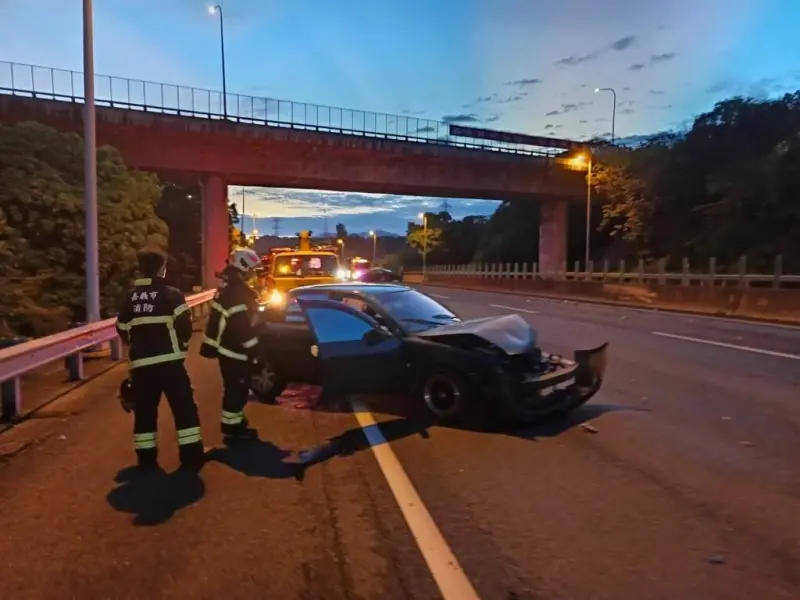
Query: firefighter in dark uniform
[
  {"x": 156, "y": 323},
  {"x": 231, "y": 338}
]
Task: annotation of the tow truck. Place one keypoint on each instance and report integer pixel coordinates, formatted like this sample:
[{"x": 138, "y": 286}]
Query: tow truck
[{"x": 300, "y": 267}]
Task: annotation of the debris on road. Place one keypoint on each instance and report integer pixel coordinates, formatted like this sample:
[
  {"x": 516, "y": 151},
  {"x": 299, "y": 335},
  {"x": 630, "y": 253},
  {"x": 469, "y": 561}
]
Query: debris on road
[
  {"x": 726, "y": 418},
  {"x": 716, "y": 559},
  {"x": 588, "y": 427},
  {"x": 746, "y": 444}
]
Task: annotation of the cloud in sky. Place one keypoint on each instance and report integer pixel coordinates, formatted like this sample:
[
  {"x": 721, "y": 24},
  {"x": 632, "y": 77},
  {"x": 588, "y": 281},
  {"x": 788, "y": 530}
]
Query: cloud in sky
[{"x": 512, "y": 65}]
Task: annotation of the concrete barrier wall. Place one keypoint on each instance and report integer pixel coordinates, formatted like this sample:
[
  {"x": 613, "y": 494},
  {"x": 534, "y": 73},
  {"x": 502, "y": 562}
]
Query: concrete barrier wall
[{"x": 775, "y": 305}]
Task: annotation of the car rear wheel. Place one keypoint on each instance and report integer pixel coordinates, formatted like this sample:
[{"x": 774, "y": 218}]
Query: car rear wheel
[{"x": 266, "y": 382}]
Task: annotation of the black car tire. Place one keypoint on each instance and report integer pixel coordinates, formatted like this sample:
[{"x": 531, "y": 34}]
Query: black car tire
[
  {"x": 266, "y": 381},
  {"x": 446, "y": 396}
]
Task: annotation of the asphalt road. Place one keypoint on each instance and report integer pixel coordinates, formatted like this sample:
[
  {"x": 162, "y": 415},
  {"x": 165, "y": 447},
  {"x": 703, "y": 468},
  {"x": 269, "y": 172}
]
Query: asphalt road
[{"x": 686, "y": 486}]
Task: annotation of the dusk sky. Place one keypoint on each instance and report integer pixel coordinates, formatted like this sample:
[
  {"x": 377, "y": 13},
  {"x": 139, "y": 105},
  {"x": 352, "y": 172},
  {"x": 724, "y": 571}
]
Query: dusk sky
[{"x": 516, "y": 65}]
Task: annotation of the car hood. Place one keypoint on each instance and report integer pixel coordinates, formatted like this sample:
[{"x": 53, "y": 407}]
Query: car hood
[{"x": 510, "y": 333}]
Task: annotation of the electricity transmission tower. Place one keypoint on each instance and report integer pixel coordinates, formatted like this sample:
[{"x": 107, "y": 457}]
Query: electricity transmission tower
[{"x": 276, "y": 226}]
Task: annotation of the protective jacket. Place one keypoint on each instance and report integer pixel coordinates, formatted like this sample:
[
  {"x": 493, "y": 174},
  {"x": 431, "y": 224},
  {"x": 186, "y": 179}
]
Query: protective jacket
[
  {"x": 155, "y": 321},
  {"x": 230, "y": 332}
]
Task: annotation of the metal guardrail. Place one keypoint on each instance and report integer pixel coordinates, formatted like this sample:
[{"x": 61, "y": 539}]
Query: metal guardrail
[
  {"x": 18, "y": 360},
  {"x": 639, "y": 274},
  {"x": 134, "y": 94}
]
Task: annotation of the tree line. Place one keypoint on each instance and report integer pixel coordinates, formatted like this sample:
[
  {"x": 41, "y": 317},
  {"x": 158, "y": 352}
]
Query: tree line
[
  {"x": 727, "y": 187},
  {"x": 42, "y": 266}
]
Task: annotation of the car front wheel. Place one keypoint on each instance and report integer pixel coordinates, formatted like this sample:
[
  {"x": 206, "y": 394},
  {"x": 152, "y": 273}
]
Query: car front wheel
[
  {"x": 446, "y": 396},
  {"x": 266, "y": 382}
]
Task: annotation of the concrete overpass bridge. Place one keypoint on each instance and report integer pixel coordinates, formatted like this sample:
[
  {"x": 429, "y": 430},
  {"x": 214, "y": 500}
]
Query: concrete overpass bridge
[{"x": 180, "y": 132}]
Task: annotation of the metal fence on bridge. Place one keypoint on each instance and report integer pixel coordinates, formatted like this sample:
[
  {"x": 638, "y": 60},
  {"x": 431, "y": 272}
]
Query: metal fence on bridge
[
  {"x": 639, "y": 272},
  {"x": 135, "y": 94}
]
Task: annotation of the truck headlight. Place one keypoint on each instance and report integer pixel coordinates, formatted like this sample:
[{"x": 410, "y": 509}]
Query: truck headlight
[{"x": 341, "y": 274}]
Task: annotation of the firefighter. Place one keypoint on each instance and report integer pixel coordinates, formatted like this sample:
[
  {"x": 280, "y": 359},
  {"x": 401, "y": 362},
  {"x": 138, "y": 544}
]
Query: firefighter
[
  {"x": 231, "y": 338},
  {"x": 156, "y": 323}
]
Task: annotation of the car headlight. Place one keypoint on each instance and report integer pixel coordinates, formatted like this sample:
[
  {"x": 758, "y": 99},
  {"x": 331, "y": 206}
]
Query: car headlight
[
  {"x": 276, "y": 298},
  {"x": 341, "y": 274}
]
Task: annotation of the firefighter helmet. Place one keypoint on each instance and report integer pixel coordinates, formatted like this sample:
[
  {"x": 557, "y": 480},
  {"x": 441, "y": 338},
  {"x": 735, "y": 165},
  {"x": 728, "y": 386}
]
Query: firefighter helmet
[{"x": 244, "y": 259}]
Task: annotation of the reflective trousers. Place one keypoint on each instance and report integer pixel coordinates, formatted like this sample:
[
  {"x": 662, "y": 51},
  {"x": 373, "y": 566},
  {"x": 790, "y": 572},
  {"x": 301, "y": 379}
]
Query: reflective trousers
[
  {"x": 147, "y": 386},
  {"x": 236, "y": 391}
]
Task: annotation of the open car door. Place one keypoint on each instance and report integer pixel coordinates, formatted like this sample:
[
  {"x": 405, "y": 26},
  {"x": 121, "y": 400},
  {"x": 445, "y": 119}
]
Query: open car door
[{"x": 356, "y": 354}]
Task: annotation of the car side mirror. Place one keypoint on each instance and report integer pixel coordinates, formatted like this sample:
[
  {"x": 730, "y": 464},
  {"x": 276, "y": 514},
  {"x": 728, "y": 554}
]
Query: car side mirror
[{"x": 375, "y": 336}]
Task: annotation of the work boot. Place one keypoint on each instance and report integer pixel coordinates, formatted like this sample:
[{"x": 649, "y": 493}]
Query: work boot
[
  {"x": 192, "y": 456},
  {"x": 147, "y": 459},
  {"x": 240, "y": 431}
]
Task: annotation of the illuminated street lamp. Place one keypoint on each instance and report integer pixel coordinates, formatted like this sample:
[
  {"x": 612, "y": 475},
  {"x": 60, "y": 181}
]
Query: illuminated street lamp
[
  {"x": 424, "y": 218},
  {"x": 340, "y": 241},
  {"x": 212, "y": 10},
  {"x": 584, "y": 161},
  {"x": 374, "y": 245},
  {"x": 613, "y": 110}
]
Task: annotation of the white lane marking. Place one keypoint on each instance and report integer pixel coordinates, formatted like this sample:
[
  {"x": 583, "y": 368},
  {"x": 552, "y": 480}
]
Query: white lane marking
[
  {"x": 439, "y": 296},
  {"x": 725, "y": 345},
  {"x": 515, "y": 308},
  {"x": 450, "y": 577}
]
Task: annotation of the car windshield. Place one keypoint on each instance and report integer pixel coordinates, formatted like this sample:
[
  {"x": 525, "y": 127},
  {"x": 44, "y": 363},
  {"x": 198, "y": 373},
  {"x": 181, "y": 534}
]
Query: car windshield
[
  {"x": 415, "y": 311},
  {"x": 305, "y": 265}
]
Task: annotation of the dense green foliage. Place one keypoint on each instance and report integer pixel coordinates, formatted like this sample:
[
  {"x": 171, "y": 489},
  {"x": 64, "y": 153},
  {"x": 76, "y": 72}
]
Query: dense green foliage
[
  {"x": 42, "y": 227},
  {"x": 729, "y": 186}
]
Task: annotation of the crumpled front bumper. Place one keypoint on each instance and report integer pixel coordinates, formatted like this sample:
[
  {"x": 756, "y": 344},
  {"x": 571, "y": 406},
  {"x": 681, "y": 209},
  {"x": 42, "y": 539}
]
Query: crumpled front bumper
[{"x": 568, "y": 384}]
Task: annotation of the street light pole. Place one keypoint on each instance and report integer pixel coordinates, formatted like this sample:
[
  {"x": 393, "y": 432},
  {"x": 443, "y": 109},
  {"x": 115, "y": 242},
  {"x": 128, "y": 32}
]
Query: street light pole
[
  {"x": 244, "y": 214},
  {"x": 424, "y": 218},
  {"x": 613, "y": 110},
  {"x": 218, "y": 9},
  {"x": 90, "y": 169},
  {"x": 588, "y": 213},
  {"x": 374, "y": 246}
]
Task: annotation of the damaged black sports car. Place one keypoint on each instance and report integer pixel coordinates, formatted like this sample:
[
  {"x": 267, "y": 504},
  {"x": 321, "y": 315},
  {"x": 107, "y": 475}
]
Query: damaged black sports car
[{"x": 379, "y": 338}]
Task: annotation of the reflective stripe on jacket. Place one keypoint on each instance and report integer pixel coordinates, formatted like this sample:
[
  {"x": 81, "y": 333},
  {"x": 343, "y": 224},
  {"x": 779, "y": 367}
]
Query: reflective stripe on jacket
[
  {"x": 155, "y": 321},
  {"x": 229, "y": 332}
]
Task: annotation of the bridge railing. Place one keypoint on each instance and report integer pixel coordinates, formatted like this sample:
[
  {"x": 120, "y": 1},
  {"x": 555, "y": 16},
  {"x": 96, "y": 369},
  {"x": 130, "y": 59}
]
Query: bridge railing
[
  {"x": 71, "y": 344},
  {"x": 639, "y": 272},
  {"x": 135, "y": 94}
]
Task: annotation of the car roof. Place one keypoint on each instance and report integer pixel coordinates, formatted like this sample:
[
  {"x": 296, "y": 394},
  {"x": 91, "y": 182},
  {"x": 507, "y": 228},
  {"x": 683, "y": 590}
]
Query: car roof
[{"x": 355, "y": 288}]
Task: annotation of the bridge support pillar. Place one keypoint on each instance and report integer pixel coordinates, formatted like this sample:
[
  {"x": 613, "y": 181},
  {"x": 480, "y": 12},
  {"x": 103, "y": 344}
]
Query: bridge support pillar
[
  {"x": 215, "y": 229},
  {"x": 553, "y": 237}
]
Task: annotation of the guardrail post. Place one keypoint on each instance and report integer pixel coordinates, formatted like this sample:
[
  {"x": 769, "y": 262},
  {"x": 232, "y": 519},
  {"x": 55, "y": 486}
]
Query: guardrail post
[
  {"x": 576, "y": 270},
  {"x": 11, "y": 389},
  {"x": 776, "y": 273},
  {"x": 605, "y": 269},
  {"x": 116, "y": 349},
  {"x": 590, "y": 271},
  {"x": 662, "y": 271},
  {"x": 75, "y": 366},
  {"x": 743, "y": 283},
  {"x": 621, "y": 275},
  {"x": 11, "y": 397},
  {"x": 524, "y": 274},
  {"x": 507, "y": 270},
  {"x": 640, "y": 269},
  {"x": 685, "y": 271},
  {"x": 712, "y": 270}
]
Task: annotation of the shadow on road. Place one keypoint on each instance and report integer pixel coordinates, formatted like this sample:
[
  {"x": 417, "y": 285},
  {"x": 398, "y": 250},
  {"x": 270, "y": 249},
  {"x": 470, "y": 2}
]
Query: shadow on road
[
  {"x": 553, "y": 426},
  {"x": 354, "y": 440},
  {"x": 154, "y": 497},
  {"x": 254, "y": 458}
]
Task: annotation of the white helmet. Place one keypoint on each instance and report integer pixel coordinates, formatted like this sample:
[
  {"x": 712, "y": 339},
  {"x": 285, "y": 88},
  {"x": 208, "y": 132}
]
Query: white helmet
[{"x": 244, "y": 259}]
